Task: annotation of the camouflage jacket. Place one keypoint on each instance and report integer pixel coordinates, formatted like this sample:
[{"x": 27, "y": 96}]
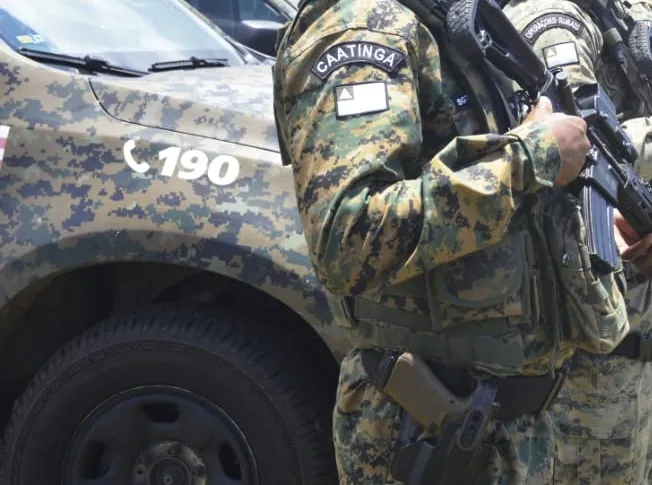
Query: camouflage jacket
[{"x": 400, "y": 170}]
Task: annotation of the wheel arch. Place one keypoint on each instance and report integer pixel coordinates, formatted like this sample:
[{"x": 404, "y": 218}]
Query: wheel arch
[
  {"x": 185, "y": 351},
  {"x": 62, "y": 296}
]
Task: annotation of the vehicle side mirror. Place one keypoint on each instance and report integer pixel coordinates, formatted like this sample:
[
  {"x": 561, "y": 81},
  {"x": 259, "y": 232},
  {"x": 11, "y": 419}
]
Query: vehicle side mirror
[{"x": 258, "y": 34}]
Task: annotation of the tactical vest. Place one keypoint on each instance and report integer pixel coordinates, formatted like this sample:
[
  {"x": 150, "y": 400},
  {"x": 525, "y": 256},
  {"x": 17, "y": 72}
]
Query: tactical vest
[
  {"x": 520, "y": 306},
  {"x": 532, "y": 296}
]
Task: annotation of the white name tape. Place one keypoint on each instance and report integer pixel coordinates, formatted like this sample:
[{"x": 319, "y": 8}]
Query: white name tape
[
  {"x": 561, "y": 55},
  {"x": 364, "y": 98}
]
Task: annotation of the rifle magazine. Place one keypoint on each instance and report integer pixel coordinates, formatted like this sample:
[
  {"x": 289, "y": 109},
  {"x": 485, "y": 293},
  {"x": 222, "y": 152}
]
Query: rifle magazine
[{"x": 600, "y": 234}]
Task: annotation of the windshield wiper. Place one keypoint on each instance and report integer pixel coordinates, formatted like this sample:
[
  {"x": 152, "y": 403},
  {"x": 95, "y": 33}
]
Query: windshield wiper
[
  {"x": 190, "y": 63},
  {"x": 245, "y": 53},
  {"x": 91, "y": 64}
]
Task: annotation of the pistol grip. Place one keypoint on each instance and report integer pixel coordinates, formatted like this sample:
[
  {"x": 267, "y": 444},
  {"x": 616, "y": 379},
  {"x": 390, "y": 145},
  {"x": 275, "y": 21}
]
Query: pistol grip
[{"x": 414, "y": 386}]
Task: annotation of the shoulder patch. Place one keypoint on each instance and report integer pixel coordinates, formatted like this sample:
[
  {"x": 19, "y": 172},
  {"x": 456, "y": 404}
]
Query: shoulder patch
[
  {"x": 361, "y": 98},
  {"x": 381, "y": 56},
  {"x": 558, "y": 55},
  {"x": 541, "y": 24}
]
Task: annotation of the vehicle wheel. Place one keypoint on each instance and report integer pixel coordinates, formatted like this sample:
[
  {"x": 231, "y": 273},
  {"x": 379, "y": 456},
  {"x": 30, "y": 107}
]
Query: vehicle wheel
[{"x": 173, "y": 396}]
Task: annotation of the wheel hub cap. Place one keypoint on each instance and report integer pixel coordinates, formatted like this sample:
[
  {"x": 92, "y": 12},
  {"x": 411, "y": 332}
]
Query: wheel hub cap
[
  {"x": 169, "y": 463},
  {"x": 158, "y": 435}
]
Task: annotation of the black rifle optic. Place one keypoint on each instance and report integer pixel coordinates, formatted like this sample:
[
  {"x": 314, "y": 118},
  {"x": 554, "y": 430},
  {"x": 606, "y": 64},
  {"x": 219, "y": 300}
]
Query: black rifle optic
[{"x": 481, "y": 32}]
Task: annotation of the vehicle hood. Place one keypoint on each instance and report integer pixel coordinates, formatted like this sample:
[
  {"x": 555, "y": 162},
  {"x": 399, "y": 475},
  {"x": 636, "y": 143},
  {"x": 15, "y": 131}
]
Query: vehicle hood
[
  {"x": 285, "y": 7},
  {"x": 233, "y": 104}
]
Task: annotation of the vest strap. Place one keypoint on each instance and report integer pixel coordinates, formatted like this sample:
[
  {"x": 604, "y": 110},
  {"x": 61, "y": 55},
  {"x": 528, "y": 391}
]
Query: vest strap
[{"x": 455, "y": 350}]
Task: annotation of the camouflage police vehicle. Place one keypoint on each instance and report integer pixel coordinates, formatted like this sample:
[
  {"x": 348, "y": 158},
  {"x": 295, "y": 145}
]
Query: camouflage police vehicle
[{"x": 160, "y": 323}]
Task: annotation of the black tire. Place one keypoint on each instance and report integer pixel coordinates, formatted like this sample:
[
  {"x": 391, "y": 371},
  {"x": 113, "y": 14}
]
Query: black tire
[{"x": 258, "y": 378}]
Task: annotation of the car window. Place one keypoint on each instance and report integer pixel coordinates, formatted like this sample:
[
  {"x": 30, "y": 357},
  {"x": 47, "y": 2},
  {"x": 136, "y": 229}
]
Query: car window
[
  {"x": 257, "y": 10},
  {"x": 129, "y": 33},
  {"x": 236, "y": 10}
]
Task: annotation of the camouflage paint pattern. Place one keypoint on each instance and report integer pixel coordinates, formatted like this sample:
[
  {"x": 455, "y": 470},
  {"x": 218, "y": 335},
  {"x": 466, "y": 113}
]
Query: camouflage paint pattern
[
  {"x": 603, "y": 414},
  {"x": 68, "y": 198},
  {"x": 425, "y": 183}
]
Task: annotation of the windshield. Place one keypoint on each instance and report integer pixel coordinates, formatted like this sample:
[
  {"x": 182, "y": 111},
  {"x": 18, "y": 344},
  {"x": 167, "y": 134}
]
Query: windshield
[{"x": 129, "y": 33}]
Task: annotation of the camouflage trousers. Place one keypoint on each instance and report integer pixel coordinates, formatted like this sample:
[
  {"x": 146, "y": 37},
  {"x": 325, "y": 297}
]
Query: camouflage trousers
[
  {"x": 366, "y": 425},
  {"x": 602, "y": 415}
]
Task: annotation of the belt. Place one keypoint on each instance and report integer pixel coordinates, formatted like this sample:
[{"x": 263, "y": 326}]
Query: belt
[
  {"x": 516, "y": 395},
  {"x": 635, "y": 345}
]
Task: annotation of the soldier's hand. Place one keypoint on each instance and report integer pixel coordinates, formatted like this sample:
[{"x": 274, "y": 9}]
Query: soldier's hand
[
  {"x": 633, "y": 248},
  {"x": 570, "y": 132}
]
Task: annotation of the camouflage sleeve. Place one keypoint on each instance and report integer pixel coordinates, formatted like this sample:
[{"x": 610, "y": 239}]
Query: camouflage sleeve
[
  {"x": 373, "y": 212},
  {"x": 641, "y": 9},
  {"x": 640, "y": 129},
  {"x": 561, "y": 34}
]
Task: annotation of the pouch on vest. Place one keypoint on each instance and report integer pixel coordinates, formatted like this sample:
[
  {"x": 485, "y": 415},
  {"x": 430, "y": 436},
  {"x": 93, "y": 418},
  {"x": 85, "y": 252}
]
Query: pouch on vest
[
  {"x": 504, "y": 306},
  {"x": 593, "y": 307},
  {"x": 464, "y": 312}
]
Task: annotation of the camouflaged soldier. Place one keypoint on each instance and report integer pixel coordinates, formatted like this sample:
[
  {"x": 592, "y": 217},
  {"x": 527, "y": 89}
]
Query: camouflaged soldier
[
  {"x": 603, "y": 414},
  {"x": 434, "y": 233}
]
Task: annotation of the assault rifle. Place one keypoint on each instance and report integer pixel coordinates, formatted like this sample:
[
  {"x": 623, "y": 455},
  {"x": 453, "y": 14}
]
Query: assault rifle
[
  {"x": 634, "y": 58},
  {"x": 481, "y": 32}
]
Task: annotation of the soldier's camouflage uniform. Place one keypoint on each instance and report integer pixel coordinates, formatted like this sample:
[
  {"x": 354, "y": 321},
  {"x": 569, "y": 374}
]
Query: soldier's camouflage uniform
[
  {"x": 397, "y": 180},
  {"x": 603, "y": 412}
]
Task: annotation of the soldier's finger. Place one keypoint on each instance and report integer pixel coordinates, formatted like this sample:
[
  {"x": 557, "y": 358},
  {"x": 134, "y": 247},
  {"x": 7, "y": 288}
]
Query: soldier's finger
[
  {"x": 541, "y": 111},
  {"x": 544, "y": 105},
  {"x": 638, "y": 250},
  {"x": 625, "y": 229}
]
